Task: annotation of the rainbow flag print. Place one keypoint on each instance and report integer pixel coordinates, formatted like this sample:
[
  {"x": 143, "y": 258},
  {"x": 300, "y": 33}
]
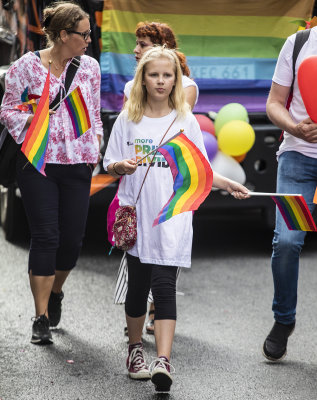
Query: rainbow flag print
[
  {"x": 231, "y": 46},
  {"x": 78, "y": 112},
  {"x": 295, "y": 212},
  {"x": 37, "y": 135},
  {"x": 192, "y": 176}
]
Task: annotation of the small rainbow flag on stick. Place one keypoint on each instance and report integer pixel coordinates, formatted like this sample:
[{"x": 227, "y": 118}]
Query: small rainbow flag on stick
[
  {"x": 192, "y": 176},
  {"x": 36, "y": 139},
  {"x": 78, "y": 112},
  {"x": 294, "y": 210}
]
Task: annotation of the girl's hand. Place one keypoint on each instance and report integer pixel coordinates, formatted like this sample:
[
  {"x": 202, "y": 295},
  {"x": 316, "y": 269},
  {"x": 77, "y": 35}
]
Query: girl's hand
[
  {"x": 237, "y": 190},
  {"x": 124, "y": 167}
]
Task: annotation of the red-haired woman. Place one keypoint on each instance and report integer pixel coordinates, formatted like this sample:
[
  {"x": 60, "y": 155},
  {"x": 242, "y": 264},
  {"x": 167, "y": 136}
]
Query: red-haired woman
[{"x": 149, "y": 34}]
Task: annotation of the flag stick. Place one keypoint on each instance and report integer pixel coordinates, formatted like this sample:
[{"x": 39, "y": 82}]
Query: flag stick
[
  {"x": 272, "y": 194},
  {"x": 161, "y": 145},
  {"x": 59, "y": 103}
]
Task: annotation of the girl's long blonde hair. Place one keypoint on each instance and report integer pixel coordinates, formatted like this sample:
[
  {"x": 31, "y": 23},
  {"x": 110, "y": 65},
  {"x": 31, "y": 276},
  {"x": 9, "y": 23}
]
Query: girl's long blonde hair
[{"x": 136, "y": 103}]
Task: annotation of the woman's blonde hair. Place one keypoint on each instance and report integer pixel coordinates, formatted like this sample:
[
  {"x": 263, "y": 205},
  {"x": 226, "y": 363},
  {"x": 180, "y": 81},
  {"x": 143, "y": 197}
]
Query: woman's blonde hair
[
  {"x": 136, "y": 103},
  {"x": 61, "y": 15}
]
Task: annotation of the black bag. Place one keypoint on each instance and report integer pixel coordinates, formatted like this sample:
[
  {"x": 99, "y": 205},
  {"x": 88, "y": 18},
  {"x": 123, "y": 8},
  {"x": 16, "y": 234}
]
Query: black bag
[
  {"x": 9, "y": 148},
  {"x": 8, "y": 155}
]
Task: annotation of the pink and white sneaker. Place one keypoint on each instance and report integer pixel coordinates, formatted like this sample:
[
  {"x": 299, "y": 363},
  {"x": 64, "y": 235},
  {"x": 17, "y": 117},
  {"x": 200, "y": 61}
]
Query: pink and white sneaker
[
  {"x": 136, "y": 363},
  {"x": 161, "y": 370}
]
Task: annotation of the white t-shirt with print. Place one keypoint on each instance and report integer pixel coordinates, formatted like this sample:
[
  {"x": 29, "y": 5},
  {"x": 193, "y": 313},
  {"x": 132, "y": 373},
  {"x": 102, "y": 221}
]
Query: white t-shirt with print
[
  {"x": 169, "y": 243},
  {"x": 185, "y": 81},
  {"x": 283, "y": 75}
]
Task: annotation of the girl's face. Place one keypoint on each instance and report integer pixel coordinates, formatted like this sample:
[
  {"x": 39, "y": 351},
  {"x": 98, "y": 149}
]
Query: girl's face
[
  {"x": 159, "y": 78},
  {"x": 143, "y": 44}
]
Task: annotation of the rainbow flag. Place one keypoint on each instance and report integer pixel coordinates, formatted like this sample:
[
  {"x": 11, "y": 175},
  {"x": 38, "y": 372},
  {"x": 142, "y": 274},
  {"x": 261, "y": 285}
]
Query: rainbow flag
[
  {"x": 192, "y": 176},
  {"x": 36, "y": 139},
  {"x": 28, "y": 100},
  {"x": 295, "y": 212},
  {"x": 231, "y": 46},
  {"x": 78, "y": 112}
]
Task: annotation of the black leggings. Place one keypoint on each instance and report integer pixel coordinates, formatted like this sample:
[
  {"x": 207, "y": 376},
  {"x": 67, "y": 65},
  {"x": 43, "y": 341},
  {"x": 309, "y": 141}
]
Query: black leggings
[
  {"x": 57, "y": 208},
  {"x": 143, "y": 277}
]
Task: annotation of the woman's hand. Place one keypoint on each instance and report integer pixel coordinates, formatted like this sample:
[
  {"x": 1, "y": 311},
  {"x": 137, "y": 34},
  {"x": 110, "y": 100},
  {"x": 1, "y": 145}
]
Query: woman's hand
[{"x": 30, "y": 118}]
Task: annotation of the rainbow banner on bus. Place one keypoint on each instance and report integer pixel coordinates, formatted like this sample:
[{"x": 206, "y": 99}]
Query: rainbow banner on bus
[
  {"x": 231, "y": 46},
  {"x": 192, "y": 176},
  {"x": 37, "y": 135},
  {"x": 295, "y": 212},
  {"x": 78, "y": 112}
]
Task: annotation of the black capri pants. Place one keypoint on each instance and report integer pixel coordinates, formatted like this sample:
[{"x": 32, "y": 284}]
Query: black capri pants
[
  {"x": 143, "y": 277},
  {"x": 56, "y": 207}
]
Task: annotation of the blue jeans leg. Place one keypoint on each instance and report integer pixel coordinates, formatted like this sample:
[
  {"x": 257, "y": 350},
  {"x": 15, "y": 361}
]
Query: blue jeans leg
[{"x": 296, "y": 174}]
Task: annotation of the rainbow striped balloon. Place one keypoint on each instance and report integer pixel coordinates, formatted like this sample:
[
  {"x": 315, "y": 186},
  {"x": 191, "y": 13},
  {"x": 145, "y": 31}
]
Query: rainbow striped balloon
[
  {"x": 36, "y": 139},
  {"x": 78, "y": 112},
  {"x": 295, "y": 212},
  {"x": 192, "y": 176}
]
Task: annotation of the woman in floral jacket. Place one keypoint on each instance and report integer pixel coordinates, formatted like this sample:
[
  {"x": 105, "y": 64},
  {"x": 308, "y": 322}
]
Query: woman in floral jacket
[{"x": 56, "y": 204}]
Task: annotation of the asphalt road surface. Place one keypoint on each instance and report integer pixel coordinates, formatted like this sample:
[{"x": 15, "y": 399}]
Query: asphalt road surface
[{"x": 223, "y": 318}]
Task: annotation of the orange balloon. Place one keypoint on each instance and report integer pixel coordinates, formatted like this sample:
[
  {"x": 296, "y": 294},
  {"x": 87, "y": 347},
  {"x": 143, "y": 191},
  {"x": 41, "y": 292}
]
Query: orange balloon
[
  {"x": 240, "y": 158},
  {"x": 306, "y": 78}
]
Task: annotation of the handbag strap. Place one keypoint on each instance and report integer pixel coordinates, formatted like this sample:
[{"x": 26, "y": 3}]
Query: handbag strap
[
  {"x": 153, "y": 159},
  {"x": 70, "y": 75}
]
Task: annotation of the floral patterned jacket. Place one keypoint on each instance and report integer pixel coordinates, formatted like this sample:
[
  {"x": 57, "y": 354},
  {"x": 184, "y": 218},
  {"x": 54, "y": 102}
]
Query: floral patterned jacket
[{"x": 63, "y": 147}]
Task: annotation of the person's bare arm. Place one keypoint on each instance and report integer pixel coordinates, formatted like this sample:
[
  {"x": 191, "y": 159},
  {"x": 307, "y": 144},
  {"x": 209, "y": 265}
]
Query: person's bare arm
[
  {"x": 190, "y": 95},
  {"x": 279, "y": 115}
]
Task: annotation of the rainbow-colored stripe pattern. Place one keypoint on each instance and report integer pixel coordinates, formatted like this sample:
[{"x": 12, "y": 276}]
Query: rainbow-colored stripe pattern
[
  {"x": 37, "y": 135},
  {"x": 192, "y": 176},
  {"x": 295, "y": 212},
  {"x": 231, "y": 46},
  {"x": 78, "y": 112},
  {"x": 28, "y": 101}
]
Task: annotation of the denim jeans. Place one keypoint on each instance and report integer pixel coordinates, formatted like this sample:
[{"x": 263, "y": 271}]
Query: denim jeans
[{"x": 296, "y": 174}]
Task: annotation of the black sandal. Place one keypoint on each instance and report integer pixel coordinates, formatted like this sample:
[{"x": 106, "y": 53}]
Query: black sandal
[{"x": 149, "y": 327}]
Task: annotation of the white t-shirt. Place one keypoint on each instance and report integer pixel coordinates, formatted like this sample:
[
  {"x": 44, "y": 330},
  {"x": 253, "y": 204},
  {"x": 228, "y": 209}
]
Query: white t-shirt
[
  {"x": 283, "y": 75},
  {"x": 185, "y": 81},
  {"x": 169, "y": 243}
]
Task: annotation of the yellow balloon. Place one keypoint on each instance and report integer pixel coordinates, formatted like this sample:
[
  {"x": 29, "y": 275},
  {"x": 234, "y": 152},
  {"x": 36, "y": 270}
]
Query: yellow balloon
[{"x": 236, "y": 138}]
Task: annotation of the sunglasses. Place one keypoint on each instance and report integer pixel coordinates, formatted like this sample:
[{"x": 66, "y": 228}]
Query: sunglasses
[{"x": 85, "y": 35}]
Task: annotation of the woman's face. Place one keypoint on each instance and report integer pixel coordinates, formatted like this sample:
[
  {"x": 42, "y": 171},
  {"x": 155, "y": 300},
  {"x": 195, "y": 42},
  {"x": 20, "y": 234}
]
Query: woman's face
[
  {"x": 143, "y": 44},
  {"x": 77, "y": 40},
  {"x": 159, "y": 78}
]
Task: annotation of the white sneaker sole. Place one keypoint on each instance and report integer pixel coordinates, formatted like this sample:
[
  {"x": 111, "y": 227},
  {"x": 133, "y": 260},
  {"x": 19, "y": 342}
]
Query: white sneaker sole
[{"x": 140, "y": 375}]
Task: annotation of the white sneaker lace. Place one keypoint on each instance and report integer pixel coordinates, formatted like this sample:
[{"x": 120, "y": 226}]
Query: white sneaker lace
[
  {"x": 161, "y": 363},
  {"x": 137, "y": 359}
]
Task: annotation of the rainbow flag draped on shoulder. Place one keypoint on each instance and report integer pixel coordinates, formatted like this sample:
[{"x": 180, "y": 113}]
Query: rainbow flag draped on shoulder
[
  {"x": 192, "y": 176},
  {"x": 36, "y": 139}
]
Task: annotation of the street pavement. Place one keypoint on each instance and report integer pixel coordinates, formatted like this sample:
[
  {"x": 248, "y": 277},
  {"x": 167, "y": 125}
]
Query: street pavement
[{"x": 223, "y": 318}]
